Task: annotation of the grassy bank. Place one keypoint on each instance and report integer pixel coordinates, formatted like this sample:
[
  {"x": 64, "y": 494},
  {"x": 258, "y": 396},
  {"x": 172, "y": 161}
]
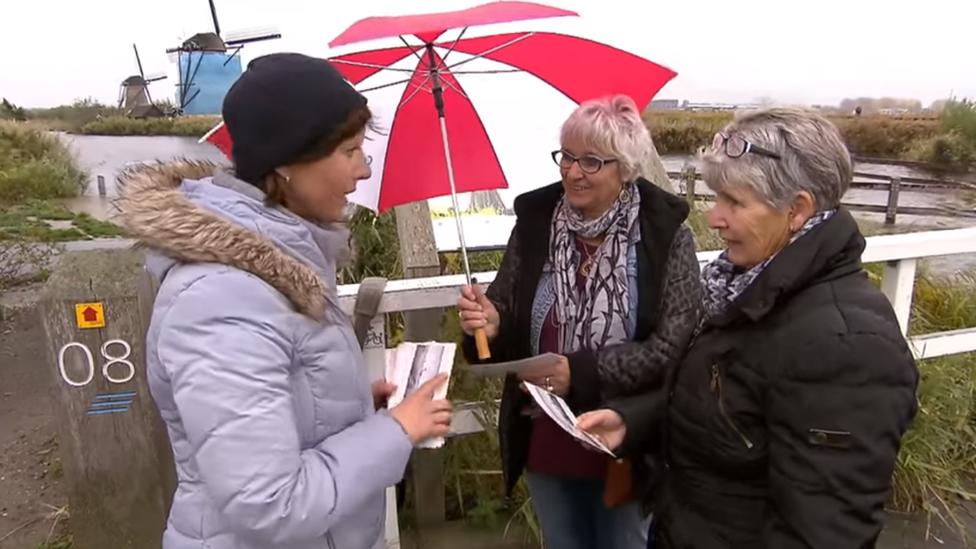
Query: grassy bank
[
  {"x": 35, "y": 165},
  {"x": 674, "y": 133},
  {"x": 89, "y": 117},
  {"x": 947, "y": 139},
  {"x": 37, "y": 169},
  {"x": 71, "y": 118},
  {"x": 188, "y": 126},
  {"x": 874, "y": 136},
  {"x": 919, "y": 139},
  {"x": 41, "y": 221},
  {"x": 936, "y": 464}
]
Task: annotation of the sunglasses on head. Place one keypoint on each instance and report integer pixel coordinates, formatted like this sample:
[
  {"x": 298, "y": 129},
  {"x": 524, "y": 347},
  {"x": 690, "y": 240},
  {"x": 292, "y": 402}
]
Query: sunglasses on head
[{"x": 735, "y": 146}]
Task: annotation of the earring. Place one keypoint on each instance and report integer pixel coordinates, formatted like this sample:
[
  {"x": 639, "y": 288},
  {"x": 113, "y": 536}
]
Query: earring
[{"x": 624, "y": 195}]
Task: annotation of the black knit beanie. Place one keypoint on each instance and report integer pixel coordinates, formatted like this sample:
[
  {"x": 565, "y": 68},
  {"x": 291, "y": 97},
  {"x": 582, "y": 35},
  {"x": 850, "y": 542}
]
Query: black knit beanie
[{"x": 279, "y": 107}]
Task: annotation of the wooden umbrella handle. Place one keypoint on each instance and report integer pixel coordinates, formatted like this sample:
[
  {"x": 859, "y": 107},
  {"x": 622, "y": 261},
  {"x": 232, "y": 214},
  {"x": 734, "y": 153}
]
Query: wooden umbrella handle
[
  {"x": 481, "y": 342},
  {"x": 480, "y": 336}
]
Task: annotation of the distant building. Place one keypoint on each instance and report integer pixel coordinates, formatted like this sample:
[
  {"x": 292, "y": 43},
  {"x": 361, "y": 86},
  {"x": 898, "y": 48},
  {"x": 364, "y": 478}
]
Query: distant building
[
  {"x": 664, "y": 105},
  {"x": 717, "y": 107},
  {"x": 894, "y": 112}
]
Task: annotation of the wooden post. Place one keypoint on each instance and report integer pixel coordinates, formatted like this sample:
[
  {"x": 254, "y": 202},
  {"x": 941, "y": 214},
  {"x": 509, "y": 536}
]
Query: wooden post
[
  {"x": 418, "y": 252},
  {"x": 690, "y": 178},
  {"x": 654, "y": 171},
  {"x": 894, "y": 188},
  {"x": 118, "y": 466},
  {"x": 101, "y": 185}
]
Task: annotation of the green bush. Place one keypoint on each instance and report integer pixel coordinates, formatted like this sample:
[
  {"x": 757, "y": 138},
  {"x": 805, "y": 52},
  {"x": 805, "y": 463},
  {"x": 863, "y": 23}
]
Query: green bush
[
  {"x": 956, "y": 141},
  {"x": 36, "y": 165},
  {"x": 951, "y": 148},
  {"x": 959, "y": 116}
]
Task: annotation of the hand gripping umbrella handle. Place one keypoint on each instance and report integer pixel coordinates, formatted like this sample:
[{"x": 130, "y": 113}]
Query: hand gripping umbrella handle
[
  {"x": 481, "y": 342},
  {"x": 480, "y": 336}
]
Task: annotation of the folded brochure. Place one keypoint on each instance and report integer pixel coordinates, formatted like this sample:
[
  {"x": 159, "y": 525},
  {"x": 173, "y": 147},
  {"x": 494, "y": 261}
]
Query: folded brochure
[{"x": 557, "y": 409}]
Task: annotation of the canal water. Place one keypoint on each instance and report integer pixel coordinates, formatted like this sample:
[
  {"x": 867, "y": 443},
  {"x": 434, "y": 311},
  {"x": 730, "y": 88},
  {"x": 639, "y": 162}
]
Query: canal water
[{"x": 108, "y": 155}]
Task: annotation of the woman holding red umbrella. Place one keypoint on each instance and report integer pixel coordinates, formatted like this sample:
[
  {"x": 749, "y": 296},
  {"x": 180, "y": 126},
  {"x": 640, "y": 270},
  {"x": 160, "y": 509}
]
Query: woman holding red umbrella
[{"x": 601, "y": 270}]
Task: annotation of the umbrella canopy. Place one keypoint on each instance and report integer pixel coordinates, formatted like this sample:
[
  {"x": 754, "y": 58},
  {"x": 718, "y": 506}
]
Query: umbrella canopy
[
  {"x": 429, "y": 26},
  {"x": 503, "y": 97}
]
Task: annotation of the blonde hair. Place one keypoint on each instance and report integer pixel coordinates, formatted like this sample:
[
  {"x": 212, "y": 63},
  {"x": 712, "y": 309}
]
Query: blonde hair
[{"x": 611, "y": 127}]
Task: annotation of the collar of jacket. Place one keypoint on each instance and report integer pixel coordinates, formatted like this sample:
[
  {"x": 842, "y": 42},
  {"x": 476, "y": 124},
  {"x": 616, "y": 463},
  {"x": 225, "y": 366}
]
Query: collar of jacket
[
  {"x": 829, "y": 251},
  {"x": 154, "y": 212}
]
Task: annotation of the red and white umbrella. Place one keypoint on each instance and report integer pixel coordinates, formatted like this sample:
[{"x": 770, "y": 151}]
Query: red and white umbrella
[
  {"x": 463, "y": 114},
  {"x": 504, "y": 98}
]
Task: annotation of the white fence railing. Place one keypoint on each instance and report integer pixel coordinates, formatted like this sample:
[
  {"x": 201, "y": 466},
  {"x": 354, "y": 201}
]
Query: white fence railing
[{"x": 899, "y": 253}]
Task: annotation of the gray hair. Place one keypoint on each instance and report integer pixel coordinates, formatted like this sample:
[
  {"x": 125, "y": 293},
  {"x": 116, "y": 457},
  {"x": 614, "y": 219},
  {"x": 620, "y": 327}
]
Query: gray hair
[
  {"x": 813, "y": 158},
  {"x": 612, "y": 127}
]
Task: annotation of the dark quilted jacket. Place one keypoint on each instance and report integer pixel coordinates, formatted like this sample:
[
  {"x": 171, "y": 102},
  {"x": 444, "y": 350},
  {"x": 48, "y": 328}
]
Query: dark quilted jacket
[{"x": 787, "y": 412}]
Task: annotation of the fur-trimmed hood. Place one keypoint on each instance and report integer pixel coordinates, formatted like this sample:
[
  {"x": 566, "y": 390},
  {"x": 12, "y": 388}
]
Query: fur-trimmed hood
[{"x": 194, "y": 212}]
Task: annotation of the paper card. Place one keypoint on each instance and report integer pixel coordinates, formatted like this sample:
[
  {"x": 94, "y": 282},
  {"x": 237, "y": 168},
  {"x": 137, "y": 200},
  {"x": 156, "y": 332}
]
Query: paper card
[
  {"x": 411, "y": 365},
  {"x": 557, "y": 409},
  {"x": 515, "y": 366}
]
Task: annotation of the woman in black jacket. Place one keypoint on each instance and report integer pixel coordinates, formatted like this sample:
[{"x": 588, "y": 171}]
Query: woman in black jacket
[
  {"x": 601, "y": 270},
  {"x": 786, "y": 415}
]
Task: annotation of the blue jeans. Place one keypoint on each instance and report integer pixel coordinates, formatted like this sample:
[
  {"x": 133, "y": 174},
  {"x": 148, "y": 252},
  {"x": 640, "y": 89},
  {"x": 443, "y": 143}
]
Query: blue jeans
[{"x": 572, "y": 515}]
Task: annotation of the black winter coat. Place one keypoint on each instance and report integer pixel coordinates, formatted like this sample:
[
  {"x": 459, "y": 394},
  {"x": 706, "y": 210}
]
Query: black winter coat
[
  {"x": 668, "y": 296},
  {"x": 786, "y": 415}
]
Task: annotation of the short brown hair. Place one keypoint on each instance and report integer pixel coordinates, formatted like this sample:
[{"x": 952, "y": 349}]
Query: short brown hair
[{"x": 359, "y": 119}]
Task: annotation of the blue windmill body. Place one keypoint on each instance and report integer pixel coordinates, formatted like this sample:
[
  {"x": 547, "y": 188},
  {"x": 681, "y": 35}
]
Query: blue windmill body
[{"x": 208, "y": 65}]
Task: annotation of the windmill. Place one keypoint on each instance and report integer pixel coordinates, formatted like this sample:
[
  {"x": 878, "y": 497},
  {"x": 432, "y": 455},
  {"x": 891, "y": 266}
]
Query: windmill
[
  {"x": 209, "y": 64},
  {"x": 134, "y": 95}
]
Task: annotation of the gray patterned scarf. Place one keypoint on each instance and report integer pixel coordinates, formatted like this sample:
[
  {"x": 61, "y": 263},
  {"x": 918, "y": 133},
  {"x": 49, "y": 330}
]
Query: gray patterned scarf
[
  {"x": 723, "y": 282},
  {"x": 595, "y": 316}
]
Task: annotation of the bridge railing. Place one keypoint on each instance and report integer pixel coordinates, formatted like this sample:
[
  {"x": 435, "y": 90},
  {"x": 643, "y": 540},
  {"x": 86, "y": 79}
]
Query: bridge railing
[
  {"x": 95, "y": 314},
  {"x": 900, "y": 255},
  {"x": 689, "y": 182}
]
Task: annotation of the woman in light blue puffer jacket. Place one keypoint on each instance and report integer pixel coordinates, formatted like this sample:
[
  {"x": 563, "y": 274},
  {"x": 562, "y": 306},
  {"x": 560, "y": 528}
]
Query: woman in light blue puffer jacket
[{"x": 253, "y": 366}]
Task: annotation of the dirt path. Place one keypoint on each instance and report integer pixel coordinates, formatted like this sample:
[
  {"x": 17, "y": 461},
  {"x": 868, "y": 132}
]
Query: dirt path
[{"x": 30, "y": 470}]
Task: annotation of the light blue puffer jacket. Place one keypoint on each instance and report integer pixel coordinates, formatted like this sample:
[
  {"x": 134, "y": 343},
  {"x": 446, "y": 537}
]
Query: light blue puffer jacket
[{"x": 256, "y": 371}]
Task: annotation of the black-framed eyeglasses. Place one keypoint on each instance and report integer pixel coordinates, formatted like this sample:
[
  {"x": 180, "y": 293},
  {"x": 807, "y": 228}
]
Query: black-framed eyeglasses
[
  {"x": 588, "y": 163},
  {"x": 736, "y": 146}
]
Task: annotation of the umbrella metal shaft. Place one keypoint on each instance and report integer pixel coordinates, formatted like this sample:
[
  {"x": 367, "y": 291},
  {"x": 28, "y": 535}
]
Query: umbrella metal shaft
[{"x": 454, "y": 200}]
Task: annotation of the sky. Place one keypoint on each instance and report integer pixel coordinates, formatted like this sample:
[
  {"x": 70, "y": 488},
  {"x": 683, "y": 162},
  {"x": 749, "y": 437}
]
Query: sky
[{"x": 803, "y": 51}]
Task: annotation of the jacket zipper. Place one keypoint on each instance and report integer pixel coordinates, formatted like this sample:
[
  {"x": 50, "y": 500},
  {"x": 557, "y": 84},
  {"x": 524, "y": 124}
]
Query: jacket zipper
[{"x": 716, "y": 386}]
